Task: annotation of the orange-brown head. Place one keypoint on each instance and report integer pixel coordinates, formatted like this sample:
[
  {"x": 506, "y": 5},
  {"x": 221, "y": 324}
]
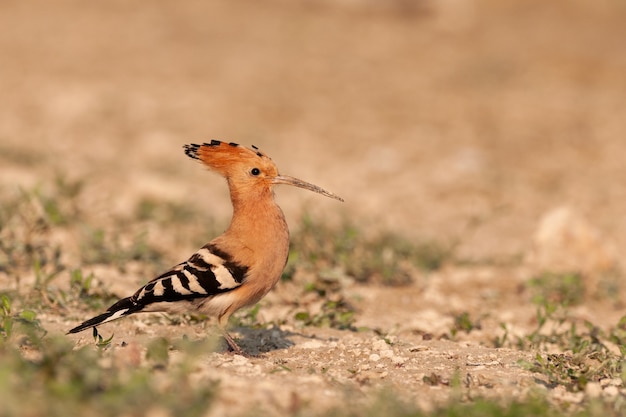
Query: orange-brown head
[{"x": 248, "y": 171}]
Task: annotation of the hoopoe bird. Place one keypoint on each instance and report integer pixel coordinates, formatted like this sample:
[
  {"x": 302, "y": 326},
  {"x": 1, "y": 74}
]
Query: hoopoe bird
[{"x": 233, "y": 270}]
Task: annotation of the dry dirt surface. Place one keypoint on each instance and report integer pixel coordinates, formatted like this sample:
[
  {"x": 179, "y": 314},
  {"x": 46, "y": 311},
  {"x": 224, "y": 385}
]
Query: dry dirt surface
[{"x": 497, "y": 128}]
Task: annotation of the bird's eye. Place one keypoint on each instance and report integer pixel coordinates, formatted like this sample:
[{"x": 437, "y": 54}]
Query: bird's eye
[{"x": 255, "y": 171}]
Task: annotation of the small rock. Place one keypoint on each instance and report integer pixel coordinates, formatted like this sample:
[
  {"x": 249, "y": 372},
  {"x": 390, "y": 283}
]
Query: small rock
[
  {"x": 374, "y": 357},
  {"x": 311, "y": 344},
  {"x": 398, "y": 360},
  {"x": 565, "y": 241},
  {"x": 380, "y": 345},
  {"x": 611, "y": 381},
  {"x": 593, "y": 389},
  {"x": 239, "y": 360},
  {"x": 611, "y": 391},
  {"x": 387, "y": 353},
  {"x": 560, "y": 394}
]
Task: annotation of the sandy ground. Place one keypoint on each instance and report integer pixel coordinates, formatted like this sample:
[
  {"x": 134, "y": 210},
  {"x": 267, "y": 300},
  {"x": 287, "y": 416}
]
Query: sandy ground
[{"x": 463, "y": 122}]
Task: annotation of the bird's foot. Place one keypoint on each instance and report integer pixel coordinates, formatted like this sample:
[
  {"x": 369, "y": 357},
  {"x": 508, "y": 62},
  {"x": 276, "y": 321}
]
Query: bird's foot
[{"x": 234, "y": 347}]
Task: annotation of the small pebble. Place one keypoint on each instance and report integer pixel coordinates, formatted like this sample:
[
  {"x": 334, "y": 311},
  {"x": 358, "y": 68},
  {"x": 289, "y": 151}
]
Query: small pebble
[
  {"x": 593, "y": 389},
  {"x": 239, "y": 360},
  {"x": 611, "y": 391}
]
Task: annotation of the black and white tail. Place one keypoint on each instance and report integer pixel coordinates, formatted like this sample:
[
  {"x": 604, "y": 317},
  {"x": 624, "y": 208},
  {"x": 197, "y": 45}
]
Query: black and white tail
[{"x": 122, "y": 308}]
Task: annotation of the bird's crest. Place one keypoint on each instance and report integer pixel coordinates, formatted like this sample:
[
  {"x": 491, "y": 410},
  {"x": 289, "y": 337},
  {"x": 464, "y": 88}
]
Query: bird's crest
[{"x": 220, "y": 156}]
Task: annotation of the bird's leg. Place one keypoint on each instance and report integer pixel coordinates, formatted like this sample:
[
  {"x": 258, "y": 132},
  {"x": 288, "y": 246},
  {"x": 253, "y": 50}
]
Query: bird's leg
[{"x": 233, "y": 347}]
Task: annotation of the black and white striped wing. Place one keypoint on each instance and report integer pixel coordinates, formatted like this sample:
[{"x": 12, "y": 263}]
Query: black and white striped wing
[{"x": 208, "y": 272}]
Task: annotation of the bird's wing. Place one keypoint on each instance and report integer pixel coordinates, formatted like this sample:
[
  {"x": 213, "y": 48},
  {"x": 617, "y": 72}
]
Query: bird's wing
[
  {"x": 210, "y": 271},
  {"x": 207, "y": 272}
]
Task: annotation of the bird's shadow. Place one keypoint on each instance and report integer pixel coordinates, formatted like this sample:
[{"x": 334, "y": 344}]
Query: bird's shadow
[
  {"x": 257, "y": 341},
  {"x": 253, "y": 341}
]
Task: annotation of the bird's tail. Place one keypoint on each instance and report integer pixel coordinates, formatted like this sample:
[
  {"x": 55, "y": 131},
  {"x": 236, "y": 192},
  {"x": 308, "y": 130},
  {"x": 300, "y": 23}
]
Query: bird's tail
[{"x": 122, "y": 308}]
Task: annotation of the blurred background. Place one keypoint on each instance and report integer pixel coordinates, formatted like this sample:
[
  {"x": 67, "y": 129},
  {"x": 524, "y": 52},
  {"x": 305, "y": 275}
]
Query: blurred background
[{"x": 455, "y": 120}]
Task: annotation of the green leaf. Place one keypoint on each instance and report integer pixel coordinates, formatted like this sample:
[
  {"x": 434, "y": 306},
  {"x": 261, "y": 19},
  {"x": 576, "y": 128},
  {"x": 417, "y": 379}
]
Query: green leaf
[
  {"x": 6, "y": 305},
  {"x": 302, "y": 316},
  {"x": 28, "y": 315}
]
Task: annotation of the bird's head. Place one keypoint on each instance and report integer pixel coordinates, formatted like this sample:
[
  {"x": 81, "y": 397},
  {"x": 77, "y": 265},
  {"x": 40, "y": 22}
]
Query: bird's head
[{"x": 246, "y": 170}]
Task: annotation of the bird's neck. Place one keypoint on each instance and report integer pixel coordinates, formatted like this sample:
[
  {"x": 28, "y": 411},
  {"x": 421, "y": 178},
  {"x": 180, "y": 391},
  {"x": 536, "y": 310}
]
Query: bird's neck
[
  {"x": 257, "y": 238},
  {"x": 259, "y": 225}
]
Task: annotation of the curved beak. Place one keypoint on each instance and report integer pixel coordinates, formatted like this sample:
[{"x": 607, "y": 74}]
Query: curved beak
[{"x": 286, "y": 179}]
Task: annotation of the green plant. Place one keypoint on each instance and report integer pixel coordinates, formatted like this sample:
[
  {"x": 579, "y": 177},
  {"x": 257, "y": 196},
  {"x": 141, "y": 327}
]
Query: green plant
[
  {"x": 6, "y": 321},
  {"x": 549, "y": 288},
  {"x": 586, "y": 355},
  {"x": 87, "y": 290},
  {"x": 25, "y": 228},
  {"x": 101, "y": 342},
  {"x": 69, "y": 381},
  {"x": 463, "y": 322},
  {"x": 501, "y": 341},
  {"x": 338, "y": 314},
  {"x": 59, "y": 204},
  {"x": 25, "y": 322},
  {"x": 387, "y": 403}
]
